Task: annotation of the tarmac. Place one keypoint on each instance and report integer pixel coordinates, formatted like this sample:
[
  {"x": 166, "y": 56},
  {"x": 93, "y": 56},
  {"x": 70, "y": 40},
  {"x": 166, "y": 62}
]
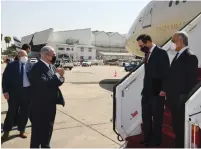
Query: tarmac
[{"x": 85, "y": 121}]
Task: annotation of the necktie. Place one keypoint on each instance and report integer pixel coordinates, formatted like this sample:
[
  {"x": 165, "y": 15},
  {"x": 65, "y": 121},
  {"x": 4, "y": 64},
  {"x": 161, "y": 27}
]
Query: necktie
[
  {"x": 50, "y": 67},
  {"x": 175, "y": 57},
  {"x": 147, "y": 56},
  {"x": 22, "y": 73}
]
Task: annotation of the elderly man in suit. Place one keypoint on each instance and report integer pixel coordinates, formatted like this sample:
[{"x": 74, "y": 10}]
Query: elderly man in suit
[
  {"x": 16, "y": 90},
  {"x": 45, "y": 80},
  {"x": 183, "y": 75},
  {"x": 27, "y": 48}
]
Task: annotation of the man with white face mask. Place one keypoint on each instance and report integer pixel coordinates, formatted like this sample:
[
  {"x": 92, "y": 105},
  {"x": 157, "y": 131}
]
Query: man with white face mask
[
  {"x": 183, "y": 75},
  {"x": 16, "y": 90}
]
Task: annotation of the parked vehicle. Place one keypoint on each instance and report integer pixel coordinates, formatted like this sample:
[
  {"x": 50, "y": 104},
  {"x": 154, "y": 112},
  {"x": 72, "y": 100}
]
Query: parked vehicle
[
  {"x": 76, "y": 63},
  {"x": 33, "y": 60},
  {"x": 66, "y": 64},
  {"x": 130, "y": 67},
  {"x": 122, "y": 62},
  {"x": 86, "y": 63},
  {"x": 112, "y": 62}
]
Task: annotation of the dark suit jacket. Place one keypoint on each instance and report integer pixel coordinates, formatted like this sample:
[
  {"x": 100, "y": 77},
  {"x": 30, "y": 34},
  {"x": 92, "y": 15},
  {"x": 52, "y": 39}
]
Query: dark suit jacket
[
  {"x": 11, "y": 80},
  {"x": 156, "y": 72},
  {"x": 45, "y": 86},
  {"x": 183, "y": 75}
]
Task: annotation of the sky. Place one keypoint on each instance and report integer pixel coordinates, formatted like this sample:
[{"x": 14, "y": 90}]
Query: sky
[{"x": 21, "y": 18}]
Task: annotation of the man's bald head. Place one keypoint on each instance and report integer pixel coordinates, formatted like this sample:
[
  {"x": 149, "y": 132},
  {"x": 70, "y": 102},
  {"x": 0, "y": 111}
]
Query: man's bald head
[{"x": 22, "y": 53}]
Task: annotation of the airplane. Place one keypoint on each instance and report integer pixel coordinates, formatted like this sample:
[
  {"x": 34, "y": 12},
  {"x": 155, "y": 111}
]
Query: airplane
[
  {"x": 159, "y": 19},
  {"x": 160, "y": 25}
]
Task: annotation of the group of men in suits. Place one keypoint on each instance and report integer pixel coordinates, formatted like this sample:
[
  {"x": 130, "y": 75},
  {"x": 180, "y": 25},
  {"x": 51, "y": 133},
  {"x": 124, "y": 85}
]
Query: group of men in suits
[
  {"x": 165, "y": 81},
  {"x": 32, "y": 91}
]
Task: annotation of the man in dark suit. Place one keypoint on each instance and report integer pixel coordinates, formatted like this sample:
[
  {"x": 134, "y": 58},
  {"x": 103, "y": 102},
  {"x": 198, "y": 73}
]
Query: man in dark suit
[
  {"x": 153, "y": 93},
  {"x": 183, "y": 75},
  {"x": 16, "y": 90},
  {"x": 45, "y": 80}
]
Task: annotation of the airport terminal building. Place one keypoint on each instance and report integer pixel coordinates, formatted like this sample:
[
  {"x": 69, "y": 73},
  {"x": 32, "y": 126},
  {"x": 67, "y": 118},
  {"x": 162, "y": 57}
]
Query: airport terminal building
[{"x": 80, "y": 44}]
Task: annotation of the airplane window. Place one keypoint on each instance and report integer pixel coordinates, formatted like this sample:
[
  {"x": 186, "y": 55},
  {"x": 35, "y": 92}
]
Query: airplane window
[
  {"x": 170, "y": 4},
  {"x": 177, "y": 2}
]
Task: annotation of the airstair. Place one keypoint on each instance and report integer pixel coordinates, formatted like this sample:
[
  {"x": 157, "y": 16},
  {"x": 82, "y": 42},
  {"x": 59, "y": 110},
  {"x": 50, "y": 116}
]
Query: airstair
[{"x": 127, "y": 119}]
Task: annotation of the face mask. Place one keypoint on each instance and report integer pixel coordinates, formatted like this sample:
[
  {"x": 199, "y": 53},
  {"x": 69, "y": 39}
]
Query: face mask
[
  {"x": 145, "y": 49},
  {"x": 53, "y": 59},
  {"x": 23, "y": 59},
  {"x": 29, "y": 53}
]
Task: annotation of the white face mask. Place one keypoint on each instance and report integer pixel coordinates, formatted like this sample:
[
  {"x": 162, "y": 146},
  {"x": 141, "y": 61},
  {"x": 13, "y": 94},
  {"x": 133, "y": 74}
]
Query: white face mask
[
  {"x": 23, "y": 59},
  {"x": 173, "y": 46}
]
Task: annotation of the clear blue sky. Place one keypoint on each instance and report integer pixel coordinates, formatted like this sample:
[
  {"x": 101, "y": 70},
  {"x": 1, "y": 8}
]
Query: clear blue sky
[{"x": 20, "y": 18}]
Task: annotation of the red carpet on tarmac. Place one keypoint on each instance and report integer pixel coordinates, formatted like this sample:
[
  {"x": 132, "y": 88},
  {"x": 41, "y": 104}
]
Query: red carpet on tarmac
[{"x": 168, "y": 135}]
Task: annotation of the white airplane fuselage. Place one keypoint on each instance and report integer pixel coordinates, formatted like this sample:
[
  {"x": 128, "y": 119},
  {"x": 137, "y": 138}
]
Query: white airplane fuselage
[{"x": 160, "y": 19}]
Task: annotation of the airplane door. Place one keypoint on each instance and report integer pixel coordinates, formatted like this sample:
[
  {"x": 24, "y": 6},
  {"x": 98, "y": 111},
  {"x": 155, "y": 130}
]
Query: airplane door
[{"x": 147, "y": 19}]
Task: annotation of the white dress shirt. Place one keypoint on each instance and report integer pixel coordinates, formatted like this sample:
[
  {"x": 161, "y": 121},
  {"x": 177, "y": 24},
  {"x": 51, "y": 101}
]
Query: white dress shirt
[
  {"x": 57, "y": 74},
  {"x": 181, "y": 51},
  {"x": 26, "y": 82},
  {"x": 151, "y": 50}
]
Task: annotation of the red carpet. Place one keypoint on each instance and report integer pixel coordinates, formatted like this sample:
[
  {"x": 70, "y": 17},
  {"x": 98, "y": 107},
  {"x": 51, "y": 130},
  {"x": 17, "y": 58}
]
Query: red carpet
[{"x": 168, "y": 136}]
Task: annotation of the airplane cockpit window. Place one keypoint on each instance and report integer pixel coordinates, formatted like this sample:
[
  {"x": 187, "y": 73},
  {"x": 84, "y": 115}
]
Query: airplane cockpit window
[
  {"x": 177, "y": 2},
  {"x": 170, "y": 4}
]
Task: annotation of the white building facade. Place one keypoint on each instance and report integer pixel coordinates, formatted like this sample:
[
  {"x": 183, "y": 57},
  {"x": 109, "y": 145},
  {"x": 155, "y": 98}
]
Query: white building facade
[
  {"x": 77, "y": 52},
  {"x": 81, "y": 44}
]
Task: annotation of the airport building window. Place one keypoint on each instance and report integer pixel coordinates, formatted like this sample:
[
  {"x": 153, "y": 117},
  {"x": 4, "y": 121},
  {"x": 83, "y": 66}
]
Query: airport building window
[
  {"x": 60, "y": 48},
  {"x": 170, "y": 4},
  {"x": 81, "y": 57},
  {"x": 68, "y": 49},
  {"x": 90, "y": 50},
  {"x": 82, "y": 50},
  {"x": 177, "y": 2},
  {"x": 89, "y": 57},
  {"x": 72, "y": 49}
]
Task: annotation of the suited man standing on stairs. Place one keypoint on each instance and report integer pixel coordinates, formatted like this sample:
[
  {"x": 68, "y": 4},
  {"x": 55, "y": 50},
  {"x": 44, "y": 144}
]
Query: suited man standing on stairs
[
  {"x": 153, "y": 92},
  {"x": 183, "y": 75}
]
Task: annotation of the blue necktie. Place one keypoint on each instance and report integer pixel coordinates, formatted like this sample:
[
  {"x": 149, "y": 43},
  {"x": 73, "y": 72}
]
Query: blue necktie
[{"x": 22, "y": 73}]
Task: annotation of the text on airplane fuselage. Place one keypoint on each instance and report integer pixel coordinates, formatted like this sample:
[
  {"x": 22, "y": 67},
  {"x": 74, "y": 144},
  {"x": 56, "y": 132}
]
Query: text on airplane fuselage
[{"x": 168, "y": 27}]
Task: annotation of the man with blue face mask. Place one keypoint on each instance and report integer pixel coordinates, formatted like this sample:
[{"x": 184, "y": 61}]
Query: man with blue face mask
[{"x": 16, "y": 90}]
